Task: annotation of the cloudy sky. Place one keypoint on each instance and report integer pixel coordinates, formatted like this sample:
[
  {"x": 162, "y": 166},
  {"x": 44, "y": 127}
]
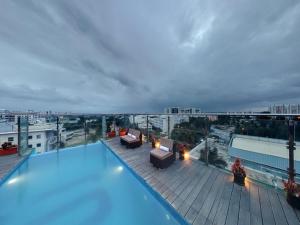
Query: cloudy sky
[{"x": 141, "y": 55}]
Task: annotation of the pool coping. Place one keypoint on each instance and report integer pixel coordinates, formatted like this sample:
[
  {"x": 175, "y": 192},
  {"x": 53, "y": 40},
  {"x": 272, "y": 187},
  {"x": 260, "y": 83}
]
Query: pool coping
[{"x": 157, "y": 195}]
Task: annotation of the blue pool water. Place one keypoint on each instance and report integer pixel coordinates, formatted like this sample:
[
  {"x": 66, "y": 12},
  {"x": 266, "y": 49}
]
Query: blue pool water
[{"x": 84, "y": 185}]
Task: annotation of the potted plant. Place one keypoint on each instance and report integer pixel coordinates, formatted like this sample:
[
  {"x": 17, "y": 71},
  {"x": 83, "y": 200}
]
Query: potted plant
[
  {"x": 292, "y": 193},
  {"x": 111, "y": 134},
  {"x": 181, "y": 151},
  {"x": 238, "y": 172},
  {"x": 122, "y": 132}
]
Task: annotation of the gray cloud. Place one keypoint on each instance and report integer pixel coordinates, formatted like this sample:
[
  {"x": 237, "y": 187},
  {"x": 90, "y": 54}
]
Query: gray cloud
[{"x": 137, "y": 56}]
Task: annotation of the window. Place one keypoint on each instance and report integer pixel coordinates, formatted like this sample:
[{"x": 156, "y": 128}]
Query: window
[
  {"x": 10, "y": 139},
  {"x": 30, "y": 137},
  {"x": 38, "y": 145},
  {"x": 29, "y": 146},
  {"x": 38, "y": 136}
]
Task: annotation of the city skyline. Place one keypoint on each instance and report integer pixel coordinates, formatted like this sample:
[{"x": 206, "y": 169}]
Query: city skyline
[{"x": 138, "y": 56}]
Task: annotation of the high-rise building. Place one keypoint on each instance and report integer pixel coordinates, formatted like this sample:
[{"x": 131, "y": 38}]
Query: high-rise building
[
  {"x": 285, "y": 109},
  {"x": 182, "y": 110}
]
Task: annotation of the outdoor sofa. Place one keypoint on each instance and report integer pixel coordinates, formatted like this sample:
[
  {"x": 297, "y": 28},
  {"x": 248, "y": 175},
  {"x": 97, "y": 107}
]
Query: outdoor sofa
[
  {"x": 132, "y": 139},
  {"x": 164, "y": 156}
]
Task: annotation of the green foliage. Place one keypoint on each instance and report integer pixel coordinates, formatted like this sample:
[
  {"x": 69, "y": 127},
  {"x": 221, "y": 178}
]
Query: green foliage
[
  {"x": 190, "y": 132},
  {"x": 122, "y": 121},
  {"x": 263, "y": 128},
  {"x": 72, "y": 126},
  {"x": 186, "y": 136},
  {"x": 213, "y": 158}
]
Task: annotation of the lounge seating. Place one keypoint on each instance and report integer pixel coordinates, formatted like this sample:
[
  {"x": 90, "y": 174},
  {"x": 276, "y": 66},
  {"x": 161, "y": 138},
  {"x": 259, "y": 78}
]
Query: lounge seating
[
  {"x": 165, "y": 156},
  {"x": 132, "y": 139}
]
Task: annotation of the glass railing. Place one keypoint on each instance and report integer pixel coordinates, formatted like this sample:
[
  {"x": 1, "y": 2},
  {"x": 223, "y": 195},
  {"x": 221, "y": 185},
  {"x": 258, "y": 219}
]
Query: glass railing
[{"x": 259, "y": 141}]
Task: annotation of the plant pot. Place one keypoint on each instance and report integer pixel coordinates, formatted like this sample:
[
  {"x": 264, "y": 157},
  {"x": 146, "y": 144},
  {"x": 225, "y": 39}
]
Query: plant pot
[
  {"x": 122, "y": 133},
  {"x": 111, "y": 134},
  {"x": 239, "y": 179},
  {"x": 153, "y": 144},
  {"x": 293, "y": 200},
  {"x": 181, "y": 154}
]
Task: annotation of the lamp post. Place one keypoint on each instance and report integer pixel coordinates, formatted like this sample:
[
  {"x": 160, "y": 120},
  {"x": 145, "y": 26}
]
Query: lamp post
[
  {"x": 85, "y": 130},
  {"x": 169, "y": 127},
  {"x": 147, "y": 121},
  {"x": 57, "y": 131},
  {"x": 291, "y": 147},
  {"x": 206, "y": 144},
  {"x": 103, "y": 127}
]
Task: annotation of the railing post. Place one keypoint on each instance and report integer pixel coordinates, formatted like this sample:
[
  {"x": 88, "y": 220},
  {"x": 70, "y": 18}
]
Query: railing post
[
  {"x": 206, "y": 144},
  {"x": 22, "y": 135},
  {"x": 114, "y": 123},
  {"x": 57, "y": 135},
  {"x": 291, "y": 148},
  {"x": 168, "y": 127},
  {"x": 103, "y": 127},
  {"x": 133, "y": 121},
  {"x": 147, "y": 128},
  {"x": 85, "y": 130},
  {"x": 19, "y": 136}
]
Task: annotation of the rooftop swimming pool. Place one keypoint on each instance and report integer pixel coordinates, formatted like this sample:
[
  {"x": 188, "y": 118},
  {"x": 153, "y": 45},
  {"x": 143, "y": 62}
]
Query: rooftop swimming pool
[{"x": 83, "y": 185}]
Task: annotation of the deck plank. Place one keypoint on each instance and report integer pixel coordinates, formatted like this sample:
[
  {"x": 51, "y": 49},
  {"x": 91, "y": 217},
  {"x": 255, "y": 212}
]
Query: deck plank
[
  {"x": 183, "y": 209},
  {"x": 244, "y": 213},
  {"x": 209, "y": 201},
  {"x": 255, "y": 210},
  {"x": 234, "y": 206},
  {"x": 267, "y": 214},
  {"x": 197, "y": 204},
  {"x": 278, "y": 213},
  {"x": 213, "y": 211}
]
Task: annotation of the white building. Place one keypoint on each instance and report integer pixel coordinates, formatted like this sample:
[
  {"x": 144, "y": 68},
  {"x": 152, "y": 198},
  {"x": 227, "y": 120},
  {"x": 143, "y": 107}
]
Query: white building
[
  {"x": 162, "y": 121},
  {"x": 158, "y": 121},
  {"x": 32, "y": 117},
  {"x": 265, "y": 159},
  {"x": 140, "y": 121},
  {"x": 40, "y": 140},
  {"x": 285, "y": 109},
  {"x": 3, "y": 112},
  {"x": 182, "y": 110},
  {"x": 260, "y": 152}
]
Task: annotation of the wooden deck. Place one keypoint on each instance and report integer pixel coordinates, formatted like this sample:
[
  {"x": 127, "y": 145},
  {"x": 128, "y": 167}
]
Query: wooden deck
[
  {"x": 206, "y": 195},
  {"x": 7, "y": 163}
]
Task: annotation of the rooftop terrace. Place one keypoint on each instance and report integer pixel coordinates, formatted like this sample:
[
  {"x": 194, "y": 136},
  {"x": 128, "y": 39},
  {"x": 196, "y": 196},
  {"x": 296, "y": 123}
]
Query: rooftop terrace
[
  {"x": 207, "y": 195},
  {"x": 201, "y": 194}
]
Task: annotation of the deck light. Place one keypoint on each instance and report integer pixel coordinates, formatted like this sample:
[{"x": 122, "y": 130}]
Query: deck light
[
  {"x": 183, "y": 152},
  {"x": 186, "y": 155},
  {"x": 157, "y": 144}
]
